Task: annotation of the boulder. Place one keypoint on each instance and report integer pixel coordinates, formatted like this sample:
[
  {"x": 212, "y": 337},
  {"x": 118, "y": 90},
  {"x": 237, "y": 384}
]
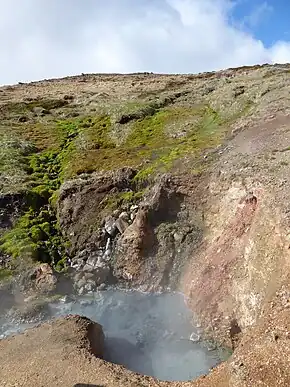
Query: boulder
[
  {"x": 41, "y": 278},
  {"x": 45, "y": 278},
  {"x": 121, "y": 224}
]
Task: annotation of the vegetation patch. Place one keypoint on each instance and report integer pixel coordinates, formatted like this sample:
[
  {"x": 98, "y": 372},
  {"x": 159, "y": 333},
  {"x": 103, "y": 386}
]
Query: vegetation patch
[
  {"x": 36, "y": 236},
  {"x": 48, "y": 153},
  {"x": 24, "y": 107}
]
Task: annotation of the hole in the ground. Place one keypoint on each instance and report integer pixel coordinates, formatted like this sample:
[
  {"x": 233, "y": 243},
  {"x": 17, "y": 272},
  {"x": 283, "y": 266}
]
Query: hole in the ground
[{"x": 147, "y": 333}]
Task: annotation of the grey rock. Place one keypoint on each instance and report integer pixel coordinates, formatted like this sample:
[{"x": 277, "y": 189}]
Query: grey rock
[
  {"x": 101, "y": 274},
  {"x": 88, "y": 268},
  {"x": 88, "y": 276},
  {"x": 89, "y": 287},
  {"x": 106, "y": 256},
  {"x": 116, "y": 213},
  {"x": 92, "y": 261},
  {"x": 133, "y": 215},
  {"x": 121, "y": 224},
  {"x": 81, "y": 291},
  {"x": 79, "y": 284},
  {"x": 124, "y": 215},
  {"x": 108, "y": 243},
  {"x": 78, "y": 276},
  {"x": 110, "y": 226},
  {"x": 102, "y": 286}
]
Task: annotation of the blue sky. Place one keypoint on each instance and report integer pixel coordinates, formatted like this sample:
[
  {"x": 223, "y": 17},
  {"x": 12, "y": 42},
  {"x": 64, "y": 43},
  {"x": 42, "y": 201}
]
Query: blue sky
[
  {"x": 267, "y": 20},
  {"x": 53, "y": 38}
]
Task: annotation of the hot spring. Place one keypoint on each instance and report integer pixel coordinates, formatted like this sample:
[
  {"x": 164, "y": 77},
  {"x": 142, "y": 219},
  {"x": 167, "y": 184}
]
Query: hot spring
[{"x": 151, "y": 334}]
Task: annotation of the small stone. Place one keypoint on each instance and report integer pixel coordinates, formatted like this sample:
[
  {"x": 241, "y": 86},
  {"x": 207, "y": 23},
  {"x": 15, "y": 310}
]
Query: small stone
[
  {"x": 101, "y": 274},
  {"x": 194, "y": 337},
  {"x": 102, "y": 286},
  {"x": 178, "y": 237},
  {"x": 116, "y": 213}
]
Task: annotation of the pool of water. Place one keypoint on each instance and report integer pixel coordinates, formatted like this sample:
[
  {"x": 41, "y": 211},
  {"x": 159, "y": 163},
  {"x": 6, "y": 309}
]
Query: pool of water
[{"x": 147, "y": 333}]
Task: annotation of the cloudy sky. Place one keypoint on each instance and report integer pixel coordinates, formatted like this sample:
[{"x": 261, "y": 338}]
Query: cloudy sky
[{"x": 51, "y": 38}]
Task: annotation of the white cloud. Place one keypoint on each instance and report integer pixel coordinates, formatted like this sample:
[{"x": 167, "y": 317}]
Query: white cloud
[{"x": 51, "y": 38}]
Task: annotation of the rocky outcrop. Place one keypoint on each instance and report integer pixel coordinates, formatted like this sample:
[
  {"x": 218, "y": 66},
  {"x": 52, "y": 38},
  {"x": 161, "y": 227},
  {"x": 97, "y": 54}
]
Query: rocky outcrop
[
  {"x": 243, "y": 259},
  {"x": 41, "y": 278}
]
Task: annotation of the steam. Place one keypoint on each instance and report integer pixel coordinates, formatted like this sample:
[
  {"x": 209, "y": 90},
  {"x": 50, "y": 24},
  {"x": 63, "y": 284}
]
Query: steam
[{"x": 154, "y": 331}]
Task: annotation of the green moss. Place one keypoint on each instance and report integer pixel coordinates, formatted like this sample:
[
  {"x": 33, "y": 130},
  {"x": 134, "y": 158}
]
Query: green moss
[
  {"x": 116, "y": 200},
  {"x": 36, "y": 235},
  {"x": 152, "y": 143},
  {"x": 61, "y": 265}
]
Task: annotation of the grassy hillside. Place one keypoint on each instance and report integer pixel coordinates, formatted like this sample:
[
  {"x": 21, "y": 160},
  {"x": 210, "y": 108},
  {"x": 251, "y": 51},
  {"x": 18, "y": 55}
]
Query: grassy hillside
[{"x": 53, "y": 131}]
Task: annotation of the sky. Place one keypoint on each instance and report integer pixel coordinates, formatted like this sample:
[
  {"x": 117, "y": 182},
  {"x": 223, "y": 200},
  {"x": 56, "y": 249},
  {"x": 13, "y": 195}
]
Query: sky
[{"x": 53, "y": 38}]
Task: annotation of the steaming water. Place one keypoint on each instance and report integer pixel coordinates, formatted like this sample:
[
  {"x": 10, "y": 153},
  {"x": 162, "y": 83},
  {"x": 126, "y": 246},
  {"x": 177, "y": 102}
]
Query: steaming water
[{"x": 148, "y": 333}]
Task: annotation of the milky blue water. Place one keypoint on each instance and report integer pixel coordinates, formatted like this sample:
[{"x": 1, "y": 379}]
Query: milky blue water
[{"x": 147, "y": 333}]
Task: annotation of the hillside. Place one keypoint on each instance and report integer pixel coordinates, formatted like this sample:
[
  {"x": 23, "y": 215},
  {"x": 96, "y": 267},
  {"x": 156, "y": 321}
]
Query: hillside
[{"x": 156, "y": 182}]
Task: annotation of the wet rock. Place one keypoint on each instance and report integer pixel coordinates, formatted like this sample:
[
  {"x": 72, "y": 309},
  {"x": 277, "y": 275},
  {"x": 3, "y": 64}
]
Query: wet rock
[
  {"x": 124, "y": 215},
  {"x": 110, "y": 226},
  {"x": 81, "y": 283},
  {"x": 90, "y": 286},
  {"x": 102, "y": 274},
  {"x": 81, "y": 291},
  {"x": 132, "y": 243}
]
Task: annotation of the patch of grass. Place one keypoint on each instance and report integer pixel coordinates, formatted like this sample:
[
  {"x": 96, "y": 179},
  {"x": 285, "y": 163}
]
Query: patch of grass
[
  {"x": 149, "y": 140},
  {"x": 114, "y": 201},
  {"x": 14, "y": 170},
  {"x": 24, "y": 107}
]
